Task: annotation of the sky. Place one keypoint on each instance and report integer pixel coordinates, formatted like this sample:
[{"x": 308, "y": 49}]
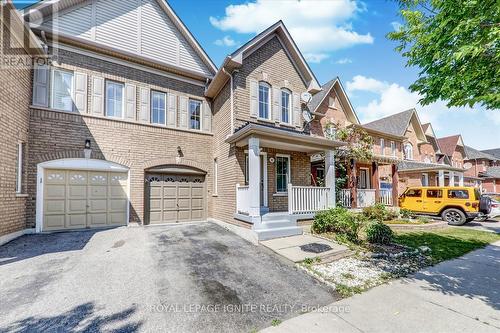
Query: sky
[{"x": 344, "y": 38}]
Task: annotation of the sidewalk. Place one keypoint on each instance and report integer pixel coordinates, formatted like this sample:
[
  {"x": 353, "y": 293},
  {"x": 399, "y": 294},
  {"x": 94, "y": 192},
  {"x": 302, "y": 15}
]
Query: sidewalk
[{"x": 461, "y": 295}]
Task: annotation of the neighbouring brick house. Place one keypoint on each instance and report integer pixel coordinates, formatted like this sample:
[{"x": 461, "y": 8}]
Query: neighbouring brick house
[
  {"x": 482, "y": 170},
  {"x": 373, "y": 179},
  {"x": 15, "y": 98}
]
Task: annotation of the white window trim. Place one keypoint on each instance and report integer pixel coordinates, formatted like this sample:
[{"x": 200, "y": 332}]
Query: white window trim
[
  {"x": 393, "y": 148},
  {"x": 282, "y": 90},
  {"x": 19, "y": 170},
  {"x": 51, "y": 98},
  {"x": 151, "y": 107},
  {"x": 408, "y": 144},
  {"x": 189, "y": 114},
  {"x": 216, "y": 177},
  {"x": 288, "y": 176},
  {"x": 269, "y": 99},
  {"x": 106, "y": 99},
  {"x": 382, "y": 146}
]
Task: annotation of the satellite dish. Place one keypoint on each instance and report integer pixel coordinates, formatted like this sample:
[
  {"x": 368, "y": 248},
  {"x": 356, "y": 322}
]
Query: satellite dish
[
  {"x": 307, "y": 116},
  {"x": 467, "y": 165},
  {"x": 305, "y": 97}
]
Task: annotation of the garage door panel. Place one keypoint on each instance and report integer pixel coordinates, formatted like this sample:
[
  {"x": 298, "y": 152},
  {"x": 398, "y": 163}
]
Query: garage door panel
[
  {"x": 155, "y": 192},
  {"x": 119, "y": 179},
  {"x": 117, "y": 192},
  {"x": 184, "y": 191},
  {"x": 169, "y": 216},
  {"x": 170, "y": 191},
  {"x": 55, "y": 192},
  {"x": 97, "y": 219},
  {"x": 54, "y": 222},
  {"x": 155, "y": 204},
  {"x": 197, "y": 192},
  {"x": 170, "y": 204},
  {"x": 155, "y": 217},
  {"x": 196, "y": 203},
  {"x": 77, "y": 177},
  {"x": 77, "y": 191},
  {"x": 76, "y": 221},
  {"x": 55, "y": 206},
  {"x": 98, "y": 191},
  {"x": 98, "y": 178},
  {"x": 55, "y": 177},
  {"x": 184, "y": 203},
  {"x": 197, "y": 214},
  {"x": 184, "y": 215},
  {"x": 77, "y": 206},
  {"x": 118, "y": 205},
  {"x": 116, "y": 218},
  {"x": 98, "y": 205}
]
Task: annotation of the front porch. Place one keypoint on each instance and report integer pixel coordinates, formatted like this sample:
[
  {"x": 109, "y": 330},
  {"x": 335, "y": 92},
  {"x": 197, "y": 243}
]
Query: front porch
[{"x": 275, "y": 190}]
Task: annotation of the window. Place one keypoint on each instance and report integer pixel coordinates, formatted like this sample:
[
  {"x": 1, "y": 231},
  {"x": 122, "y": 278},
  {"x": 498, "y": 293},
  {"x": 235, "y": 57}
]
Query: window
[
  {"x": 363, "y": 179},
  {"x": 264, "y": 100},
  {"x": 158, "y": 107},
  {"x": 382, "y": 146},
  {"x": 282, "y": 173},
  {"x": 285, "y": 106},
  {"x": 19, "y": 167},
  {"x": 393, "y": 148},
  {"x": 408, "y": 151},
  {"x": 62, "y": 90},
  {"x": 425, "y": 179},
  {"x": 412, "y": 193},
  {"x": 114, "y": 99},
  {"x": 434, "y": 193},
  {"x": 331, "y": 102},
  {"x": 458, "y": 194},
  {"x": 194, "y": 114},
  {"x": 216, "y": 176}
]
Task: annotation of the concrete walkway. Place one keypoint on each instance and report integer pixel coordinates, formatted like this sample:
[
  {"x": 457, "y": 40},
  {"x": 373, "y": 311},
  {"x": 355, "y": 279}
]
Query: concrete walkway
[{"x": 461, "y": 295}]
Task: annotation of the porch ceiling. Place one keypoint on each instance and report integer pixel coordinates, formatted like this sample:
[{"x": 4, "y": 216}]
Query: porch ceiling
[{"x": 285, "y": 139}]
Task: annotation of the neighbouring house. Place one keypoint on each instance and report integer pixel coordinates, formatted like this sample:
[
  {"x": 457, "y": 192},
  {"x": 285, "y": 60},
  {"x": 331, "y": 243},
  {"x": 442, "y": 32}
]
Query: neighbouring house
[
  {"x": 424, "y": 161},
  {"x": 15, "y": 98},
  {"x": 131, "y": 121},
  {"x": 482, "y": 170},
  {"x": 373, "y": 179}
]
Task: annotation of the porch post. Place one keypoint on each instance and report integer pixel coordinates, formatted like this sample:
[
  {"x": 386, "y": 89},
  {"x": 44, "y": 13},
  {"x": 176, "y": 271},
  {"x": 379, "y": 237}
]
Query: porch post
[
  {"x": 441, "y": 178},
  {"x": 451, "y": 176},
  {"x": 395, "y": 185},
  {"x": 330, "y": 176},
  {"x": 460, "y": 179},
  {"x": 354, "y": 184},
  {"x": 254, "y": 176},
  {"x": 375, "y": 182}
]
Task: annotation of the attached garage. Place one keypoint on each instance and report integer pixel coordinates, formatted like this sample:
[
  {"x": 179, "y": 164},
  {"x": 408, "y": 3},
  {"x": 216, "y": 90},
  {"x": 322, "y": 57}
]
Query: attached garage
[
  {"x": 174, "y": 194},
  {"x": 71, "y": 198}
]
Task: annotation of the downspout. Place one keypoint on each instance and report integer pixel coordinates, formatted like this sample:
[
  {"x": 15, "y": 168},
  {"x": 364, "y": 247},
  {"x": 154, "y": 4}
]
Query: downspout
[{"x": 231, "y": 100}]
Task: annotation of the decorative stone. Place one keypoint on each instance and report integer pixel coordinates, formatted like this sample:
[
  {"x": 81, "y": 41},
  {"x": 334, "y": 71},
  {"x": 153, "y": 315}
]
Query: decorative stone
[{"x": 315, "y": 248}]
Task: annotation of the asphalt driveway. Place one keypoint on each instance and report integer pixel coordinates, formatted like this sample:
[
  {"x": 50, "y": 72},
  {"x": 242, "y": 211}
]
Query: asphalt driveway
[{"x": 183, "y": 278}]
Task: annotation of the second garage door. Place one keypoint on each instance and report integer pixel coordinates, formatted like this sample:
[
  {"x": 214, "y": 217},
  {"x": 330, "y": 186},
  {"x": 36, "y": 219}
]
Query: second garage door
[{"x": 175, "y": 198}]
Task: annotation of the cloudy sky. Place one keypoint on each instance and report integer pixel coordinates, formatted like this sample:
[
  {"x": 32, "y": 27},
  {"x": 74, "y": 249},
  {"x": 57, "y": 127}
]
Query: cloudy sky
[{"x": 342, "y": 38}]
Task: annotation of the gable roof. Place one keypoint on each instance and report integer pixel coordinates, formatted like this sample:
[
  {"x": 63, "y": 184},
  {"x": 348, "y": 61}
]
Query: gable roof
[
  {"x": 449, "y": 144},
  {"x": 431, "y": 137},
  {"x": 397, "y": 124},
  {"x": 495, "y": 152},
  {"x": 473, "y": 154},
  {"x": 319, "y": 97},
  {"x": 154, "y": 33},
  {"x": 235, "y": 59},
  {"x": 491, "y": 172}
]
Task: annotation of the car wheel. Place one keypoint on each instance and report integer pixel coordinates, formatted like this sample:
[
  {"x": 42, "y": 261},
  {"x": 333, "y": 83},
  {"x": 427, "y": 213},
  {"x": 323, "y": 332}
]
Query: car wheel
[{"x": 453, "y": 216}]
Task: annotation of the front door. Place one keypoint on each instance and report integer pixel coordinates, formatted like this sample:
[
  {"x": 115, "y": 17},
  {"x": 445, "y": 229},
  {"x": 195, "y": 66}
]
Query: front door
[{"x": 263, "y": 186}]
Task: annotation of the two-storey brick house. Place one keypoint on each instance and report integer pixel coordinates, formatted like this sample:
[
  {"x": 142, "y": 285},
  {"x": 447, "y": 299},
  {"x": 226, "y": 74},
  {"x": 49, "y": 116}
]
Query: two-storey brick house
[{"x": 482, "y": 170}]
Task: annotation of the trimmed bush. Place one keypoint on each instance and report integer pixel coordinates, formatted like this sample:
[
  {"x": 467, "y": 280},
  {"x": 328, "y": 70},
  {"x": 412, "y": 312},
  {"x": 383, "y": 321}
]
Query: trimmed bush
[
  {"x": 379, "y": 212},
  {"x": 338, "y": 220},
  {"x": 377, "y": 232},
  {"x": 406, "y": 213}
]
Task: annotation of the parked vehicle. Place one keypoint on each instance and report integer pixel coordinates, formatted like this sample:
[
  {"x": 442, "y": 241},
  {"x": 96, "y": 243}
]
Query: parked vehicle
[
  {"x": 495, "y": 207},
  {"x": 455, "y": 205}
]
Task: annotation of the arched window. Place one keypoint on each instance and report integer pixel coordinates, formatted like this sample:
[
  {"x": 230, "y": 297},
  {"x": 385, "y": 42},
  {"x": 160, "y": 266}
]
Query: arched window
[
  {"x": 264, "y": 100},
  {"x": 285, "y": 105},
  {"x": 408, "y": 151}
]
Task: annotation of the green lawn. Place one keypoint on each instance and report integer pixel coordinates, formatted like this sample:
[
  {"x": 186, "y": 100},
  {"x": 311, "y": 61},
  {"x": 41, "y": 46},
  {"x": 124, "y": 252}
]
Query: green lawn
[{"x": 446, "y": 243}]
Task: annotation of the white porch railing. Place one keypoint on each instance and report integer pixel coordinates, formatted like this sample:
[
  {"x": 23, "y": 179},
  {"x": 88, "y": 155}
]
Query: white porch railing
[
  {"x": 385, "y": 197},
  {"x": 345, "y": 198},
  {"x": 307, "y": 199},
  {"x": 366, "y": 197},
  {"x": 242, "y": 199}
]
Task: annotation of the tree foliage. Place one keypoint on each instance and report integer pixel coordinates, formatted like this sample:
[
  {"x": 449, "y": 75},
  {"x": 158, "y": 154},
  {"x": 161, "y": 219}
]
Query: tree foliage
[{"x": 456, "y": 45}]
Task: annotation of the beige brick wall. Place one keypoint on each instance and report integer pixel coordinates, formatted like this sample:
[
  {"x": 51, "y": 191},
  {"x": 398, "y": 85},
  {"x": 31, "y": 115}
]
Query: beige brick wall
[
  {"x": 15, "y": 97},
  {"x": 55, "y": 134}
]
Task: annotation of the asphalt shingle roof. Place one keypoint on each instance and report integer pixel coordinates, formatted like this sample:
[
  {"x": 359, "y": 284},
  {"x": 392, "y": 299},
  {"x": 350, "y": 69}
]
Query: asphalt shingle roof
[
  {"x": 414, "y": 165},
  {"x": 395, "y": 124},
  {"x": 318, "y": 97},
  {"x": 448, "y": 144},
  {"x": 495, "y": 152},
  {"x": 493, "y": 172},
  {"x": 477, "y": 154}
]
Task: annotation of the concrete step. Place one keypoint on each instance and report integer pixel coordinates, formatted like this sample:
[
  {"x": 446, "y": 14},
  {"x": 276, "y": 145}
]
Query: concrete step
[
  {"x": 278, "y": 224},
  {"x": 263, "y": 234},
  {"x": 276, "y": 217}
]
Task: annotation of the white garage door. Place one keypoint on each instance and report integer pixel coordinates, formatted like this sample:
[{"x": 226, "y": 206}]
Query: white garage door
[{"x": 75, "y": 199}]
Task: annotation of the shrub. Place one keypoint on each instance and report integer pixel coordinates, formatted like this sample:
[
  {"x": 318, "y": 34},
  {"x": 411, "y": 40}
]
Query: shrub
[
  {"x": 406, "y": 213},
  {"x": 338, "y": 220},
  {"x": 377, "y": 232},
  {"x": 378, "y": 212}
]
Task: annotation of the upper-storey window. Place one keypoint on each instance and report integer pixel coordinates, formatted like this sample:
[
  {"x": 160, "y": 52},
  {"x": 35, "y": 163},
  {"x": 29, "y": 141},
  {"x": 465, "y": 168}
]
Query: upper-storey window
[
  {"x": 408, "y": 151},
  {"x": 264, "y": 100},
  {"x": 158, "y": 107},
  {"x": 393, "y": 148},
  {"x": 194, "y": 114},
  {"x": 382, "y": 146},
  {"x": 62, "y": 90},
  {"x": 285, "y": 105},
  {"x": 114, "y": 99}
]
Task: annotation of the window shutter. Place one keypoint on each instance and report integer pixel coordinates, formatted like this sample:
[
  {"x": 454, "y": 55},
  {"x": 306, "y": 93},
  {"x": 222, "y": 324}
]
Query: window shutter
[
  {"x": 130, "y": 101},
  {"x": 254, "y": 98},
  {"x": 297, "y": 117},
  {"x": 40, "y": 86},
  {"x": 276, "y": 104},
  {"x": 81, "y": 92},
  {"x": 207, "y": 117},
  {"x": 183, "y": 109},
  {"x": 144, "y": 102},
  {"x": 172, "y": 110},
  {"x": 98, "y": 96}
]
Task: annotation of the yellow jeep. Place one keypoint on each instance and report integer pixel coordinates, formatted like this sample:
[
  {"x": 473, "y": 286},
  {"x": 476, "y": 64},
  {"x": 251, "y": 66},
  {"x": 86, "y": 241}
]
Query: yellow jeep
[{"x": 455, "y": 205}]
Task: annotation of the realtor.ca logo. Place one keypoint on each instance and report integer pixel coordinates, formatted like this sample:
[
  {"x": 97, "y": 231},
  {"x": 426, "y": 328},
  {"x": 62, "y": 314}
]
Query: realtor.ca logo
[{"x": 27, "y": 37}]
